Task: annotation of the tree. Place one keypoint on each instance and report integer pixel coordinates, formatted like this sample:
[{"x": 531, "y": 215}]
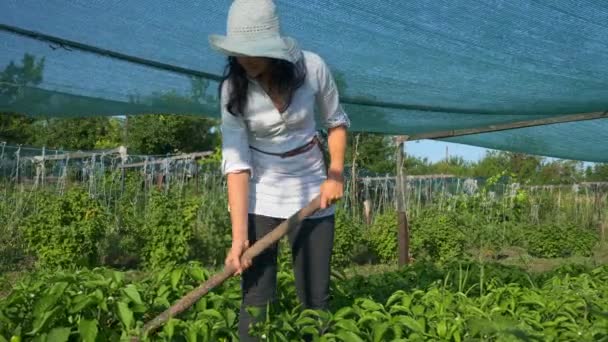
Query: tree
[
  {"x": 170, "y": 133},
  {"x": 157, "y": 134},
  {"x": 456, "y": 166},
  {"x": 165, "y": 133},
  {"x": 114, "y": 134},
  {"x": 418, "y": 166},
  {"x": 72, "y": 133},
  {"x": 15, "y": 128},
  {"x": 524, "y": 166},
  {"x": 492, "y": 163},
  {"x": 13, "y": 78},
  {"x": 599, "y": 173},
  {"x": 375, "y": 152}
]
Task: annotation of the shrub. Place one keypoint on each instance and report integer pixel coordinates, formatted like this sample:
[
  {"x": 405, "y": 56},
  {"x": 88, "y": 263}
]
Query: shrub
[
  {"x": 65, "y": 230},
  {"x": 554, "y": 240},
  {"x": 213, "y": 230},
  {"x": 383, "y": 237},
  {"x": 168, "y": 229},
  {"x": 438, "y": 236},
  {"x": 348, "y": 239}
]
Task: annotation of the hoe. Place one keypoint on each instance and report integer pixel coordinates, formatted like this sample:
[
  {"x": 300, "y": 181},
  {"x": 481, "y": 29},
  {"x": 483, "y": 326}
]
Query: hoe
[{"x": 258, "y": 247}]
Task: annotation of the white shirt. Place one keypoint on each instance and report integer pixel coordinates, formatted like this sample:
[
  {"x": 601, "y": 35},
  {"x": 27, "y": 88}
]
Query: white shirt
[{"x": 280, "y": 187}]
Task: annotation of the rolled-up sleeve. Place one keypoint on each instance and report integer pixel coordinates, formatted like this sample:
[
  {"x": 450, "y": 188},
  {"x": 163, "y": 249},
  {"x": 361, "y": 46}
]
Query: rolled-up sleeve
[
  {"x": 328, "y": 98},
  {"x": 235, "y": 143}
]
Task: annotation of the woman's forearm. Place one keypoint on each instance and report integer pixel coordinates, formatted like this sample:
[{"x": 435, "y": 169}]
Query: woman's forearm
[
  {"x": 238, "y": 195},
  {"x": 336, "y": 141}
]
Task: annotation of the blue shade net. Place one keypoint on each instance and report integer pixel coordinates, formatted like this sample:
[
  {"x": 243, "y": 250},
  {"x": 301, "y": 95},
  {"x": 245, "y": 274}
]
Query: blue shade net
[{"x": 404, "y": 67}]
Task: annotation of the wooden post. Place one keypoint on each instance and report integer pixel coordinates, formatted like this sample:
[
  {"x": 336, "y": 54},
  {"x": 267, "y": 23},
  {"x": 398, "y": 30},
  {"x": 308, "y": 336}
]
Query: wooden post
[
  {"x": 159, "y": 181},
  {"x": 353, "y": 177},
  {"x": 122, "y": 150},
  {"x": 367, "y": 211},
  {"x": 42, "y": 169},
  {"x": 403, "y": 236},
  {"x": 17, "y": 175}
]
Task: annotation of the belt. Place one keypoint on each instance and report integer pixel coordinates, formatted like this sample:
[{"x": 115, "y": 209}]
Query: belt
[{"x": 298, "y": 150}]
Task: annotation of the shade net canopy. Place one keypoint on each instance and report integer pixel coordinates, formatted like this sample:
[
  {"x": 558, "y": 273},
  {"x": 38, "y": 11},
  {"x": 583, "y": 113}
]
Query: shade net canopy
[{"x": 404, "y": 67}]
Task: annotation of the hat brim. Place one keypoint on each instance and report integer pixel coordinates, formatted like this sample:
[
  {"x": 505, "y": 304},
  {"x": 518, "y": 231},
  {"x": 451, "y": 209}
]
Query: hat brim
[{"x": 285, "y": 48}]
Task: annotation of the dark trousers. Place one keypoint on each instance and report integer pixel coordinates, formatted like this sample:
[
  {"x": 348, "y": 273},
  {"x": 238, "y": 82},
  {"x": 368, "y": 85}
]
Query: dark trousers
[{"x": 311, "y": 244}]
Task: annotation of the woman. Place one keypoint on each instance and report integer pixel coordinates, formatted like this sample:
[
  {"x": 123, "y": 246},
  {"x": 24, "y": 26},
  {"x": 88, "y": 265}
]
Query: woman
[{"x": 271, "y": 155}]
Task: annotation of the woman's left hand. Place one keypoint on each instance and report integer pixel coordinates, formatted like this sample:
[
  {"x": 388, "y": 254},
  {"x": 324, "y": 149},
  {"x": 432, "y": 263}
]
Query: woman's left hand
[{"x": 332, "y": 191}]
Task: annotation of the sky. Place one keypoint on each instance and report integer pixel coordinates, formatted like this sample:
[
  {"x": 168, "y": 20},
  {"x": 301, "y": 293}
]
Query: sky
[{"x": 436, "y": 150}]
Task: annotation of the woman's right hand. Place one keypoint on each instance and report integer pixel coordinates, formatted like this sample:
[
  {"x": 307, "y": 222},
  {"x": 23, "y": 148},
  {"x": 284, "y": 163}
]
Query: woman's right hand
[{"x": 234, "y": 257}]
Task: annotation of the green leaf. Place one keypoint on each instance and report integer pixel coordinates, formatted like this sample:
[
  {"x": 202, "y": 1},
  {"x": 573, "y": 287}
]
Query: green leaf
[
  {"x": 370, "y": 305},
  {"x": 349, "y": 336},
  {"x": 103, "y": 305},
  {"x": 176, "y": 275},
  {"x": 366, "y": 318},
  {"x": 421, "y": 323},
  {"x": 80, "y": 303},
  {"x": 41, "y": 321},
  {"x": 456, "y": 335},
  {"x": 556, "y": 322},
  {"x": 309, "y": 330},
  {"x": 379, "y": 331},
  {"x": 40, "y": 338},
  {"x": 16, "y": 334},
  {"x": 169, "y": 327},
  {"x": 88, "y": 330},
  {"x": 118, "y": 278},
  {"x": 477, "y": 311},
  {"x": 97, "y": 295},
  {"x": 139, "y": 308},
  {"x": 131, "y": 292},
  {"x": 2, "y": 339},
  {"x": 286, "y": 325},
  {"x": 398, "y": 330},
  {"x": 192, "y": 333},
  {"x": 163, "y": 291},
  {"x": 198, "y": 273},
  {"x": 49, "y": 299},
  {"x": 230, "y": 316},
  {"x": 396, "y": 297},
  {"x": 306, "y": 321},
  {"x": 344, "y": 312},
  {"x": 125, "y": 314},
  {"x": 162, "y": 301},
  {"x": 310, "y": 313},
  {"x": 348, "y": 325},
  {"x": 213, "y": 313},
  {"x": 59, "y": 335},
  {"x": 418, "y": 310},
  {"x": 278, "y": 334},
  {"x": 532, "y": 302},
  {"x": 442, "y": 329},
  {"x": 399, "y": 309},
  {"x": 95, "y": 284},
  {"x": 410, "y": 323},
  {"x": 201, "y": 305}
]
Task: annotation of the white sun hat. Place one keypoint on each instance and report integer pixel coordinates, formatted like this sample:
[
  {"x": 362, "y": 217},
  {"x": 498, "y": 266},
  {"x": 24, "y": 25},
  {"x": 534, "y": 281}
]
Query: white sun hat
[{"x": 253, "y": 29}]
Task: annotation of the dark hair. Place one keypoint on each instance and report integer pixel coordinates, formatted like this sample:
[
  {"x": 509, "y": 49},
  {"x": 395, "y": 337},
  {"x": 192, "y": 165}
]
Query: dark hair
[{"x": 285, "y": 76}]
